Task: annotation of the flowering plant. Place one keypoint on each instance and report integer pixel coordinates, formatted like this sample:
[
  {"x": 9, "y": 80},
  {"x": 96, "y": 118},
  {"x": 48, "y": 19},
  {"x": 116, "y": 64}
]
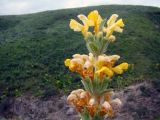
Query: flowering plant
[{"x": 97, "y": 68}]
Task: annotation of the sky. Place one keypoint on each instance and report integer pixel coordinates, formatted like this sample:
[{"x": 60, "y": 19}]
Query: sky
[{"x": 15, "y": 7}]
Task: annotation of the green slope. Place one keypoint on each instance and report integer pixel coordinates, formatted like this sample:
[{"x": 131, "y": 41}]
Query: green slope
[{"x": 34, "y": 46}]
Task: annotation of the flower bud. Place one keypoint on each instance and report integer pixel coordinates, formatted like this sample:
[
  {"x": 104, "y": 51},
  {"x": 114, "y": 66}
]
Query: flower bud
[
  {"x": 77, "y": 60},
  {"x": 84, "y": 94},
  {"x": 112, "y": 19},
  {"x": 116, "y": 102},
  {"x": 114, "y": 57},
  {"x": 72, "y": 98},
  {"x": 106, "y": 105},
  {"x": 112, "y": 38},
  {"x": 92, "y": 101},
  {"x": 87, "y": 64},
  {"x": 76, "y": 56},
  {"x": 77, "y": 92}
]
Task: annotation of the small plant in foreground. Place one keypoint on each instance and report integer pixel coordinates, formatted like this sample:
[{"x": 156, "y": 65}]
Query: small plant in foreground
[{"x": 96, "y": 69}]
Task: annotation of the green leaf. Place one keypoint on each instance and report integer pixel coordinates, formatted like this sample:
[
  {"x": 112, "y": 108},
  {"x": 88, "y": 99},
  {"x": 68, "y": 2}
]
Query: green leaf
[
  {"x": 89, "y": 48},
  {"x": 97, "y": 117},
  {"x": 102, "y": 24},
  {"x": 85, "y": 115},
  {"x": 93, "y": 47},
  {"x": 85, "y": 85}
]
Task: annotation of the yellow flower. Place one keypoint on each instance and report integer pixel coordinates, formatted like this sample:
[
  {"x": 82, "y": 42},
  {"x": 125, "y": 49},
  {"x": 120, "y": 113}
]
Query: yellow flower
[
  {"x": 104, "y": 71},
  {"x": 108, "y": 61},
  {"x": 82, "y": 64},
  {"x": 108, "y": 108},
  {"x": 112, "y": 20},
  {"x": 76, "y": 64},
  {"x": 85, "y": 20},
  {"x": 96, "y": 66},
  {"x": 88, "y": 65},
  {"x": 102, "y": 61},
  {"x": 120, "y": 68},
  {"x": 96, "y": 19},
  {"x": 112, "y": 26},
  {"x": 67, "y": 62},
  {"x": 79, "y": 27},
  {"x": 93, "y": 19},
  {"x": 124, "y": 66},
  {"x": 75, "y": 25},
  {"x": 72, "y": 99}
]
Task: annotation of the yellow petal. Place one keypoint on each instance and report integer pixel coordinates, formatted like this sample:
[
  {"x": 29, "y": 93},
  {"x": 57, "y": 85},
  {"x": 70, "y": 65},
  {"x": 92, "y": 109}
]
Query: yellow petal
[
  {"x": 93, "y": 16},
  {"x": 118, "y": 29},
  {"x": 99, "y": 19},
  {"x": 108, "y": 72},
  {"x": 110, "y": 30},
  {"x": 118, "y": 70},
  {"x": 120, "y": 23},
  {"x": 72, "y": 67},
  {"x": 67, "y": 62},
  {"x": 88, "y": 35},
  {"x": 104, "y": 70},
  {"x": 114, "y": 57},
  {"x": 112, "y": 19},
  {"x": 85, "y": 20},
  {"x": 96, "y": 19},
  {"x": 112, "y": 25},
  {"x": 97, "y": 24},
  {"x": 75, "y": 25},
  {"x": 85, "y": 30},
  {"x": 124, "y": 66},
  {"x": 99, "y": 64}
]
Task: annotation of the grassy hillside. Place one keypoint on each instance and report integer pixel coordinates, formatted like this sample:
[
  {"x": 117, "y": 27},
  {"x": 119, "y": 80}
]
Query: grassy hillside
[{"x": 33, "y": 48}]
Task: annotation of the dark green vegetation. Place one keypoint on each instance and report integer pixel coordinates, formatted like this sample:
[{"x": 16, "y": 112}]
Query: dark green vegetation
[{"x": 33, "y": 48}]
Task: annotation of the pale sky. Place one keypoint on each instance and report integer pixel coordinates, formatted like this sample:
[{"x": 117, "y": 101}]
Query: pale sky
[{"x": 9, "y": 7}]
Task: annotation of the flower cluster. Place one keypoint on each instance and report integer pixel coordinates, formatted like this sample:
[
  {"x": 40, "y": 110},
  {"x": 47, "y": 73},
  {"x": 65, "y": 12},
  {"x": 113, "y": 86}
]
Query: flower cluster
[
  {"x": 95, "y": 20},
  {"x": 97, "y": 68},
  {"x": 87, "y": 66},
  {"x": 82, "y": 100}
]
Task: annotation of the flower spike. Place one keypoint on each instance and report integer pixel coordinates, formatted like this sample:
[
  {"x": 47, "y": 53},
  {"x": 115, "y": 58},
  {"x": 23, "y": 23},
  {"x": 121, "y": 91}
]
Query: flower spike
[{"x": 96, "y": 69}]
